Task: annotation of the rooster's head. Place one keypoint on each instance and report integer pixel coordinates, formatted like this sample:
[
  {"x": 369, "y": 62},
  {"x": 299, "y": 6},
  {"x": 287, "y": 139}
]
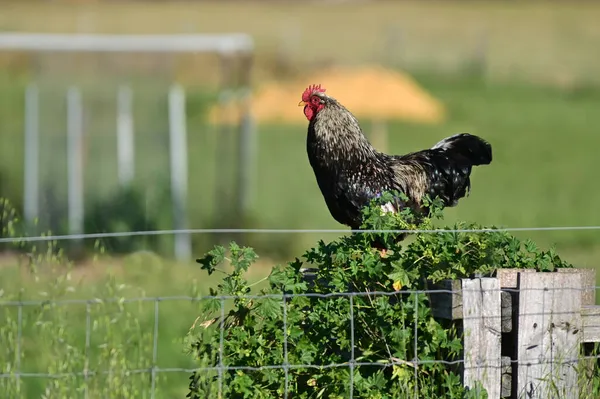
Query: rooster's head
[{"x": 314, "y": 100}]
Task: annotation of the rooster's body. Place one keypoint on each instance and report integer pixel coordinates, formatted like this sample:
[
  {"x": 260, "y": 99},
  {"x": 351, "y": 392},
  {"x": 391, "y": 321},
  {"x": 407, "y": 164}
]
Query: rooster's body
[{"x": 350, "y": 172}]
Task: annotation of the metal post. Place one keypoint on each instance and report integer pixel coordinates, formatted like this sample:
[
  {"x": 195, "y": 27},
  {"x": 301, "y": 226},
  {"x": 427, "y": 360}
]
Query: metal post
[
  {"x": 224, "y": 197},
  {"x": 247, "y": 145},
  {"x": 246, "y": 161},
  {"x": 75, "y": 160},
  {"x": 179, "y": 169},
  {"x": 31, "y": 167},
  {"x": 125, "y": 136}
]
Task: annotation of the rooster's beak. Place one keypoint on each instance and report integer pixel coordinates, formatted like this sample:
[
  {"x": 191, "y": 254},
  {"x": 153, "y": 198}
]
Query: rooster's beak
[{"x": 301, "y": 103}]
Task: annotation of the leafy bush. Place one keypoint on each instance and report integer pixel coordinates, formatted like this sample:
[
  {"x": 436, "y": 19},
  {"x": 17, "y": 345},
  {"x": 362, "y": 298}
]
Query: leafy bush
[
  {"x": 382, "y": 341},
  {"x": 124, "y": 211}
]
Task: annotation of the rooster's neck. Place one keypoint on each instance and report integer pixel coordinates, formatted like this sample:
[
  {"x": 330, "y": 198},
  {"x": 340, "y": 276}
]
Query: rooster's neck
[{"x": 337, "y": 134}]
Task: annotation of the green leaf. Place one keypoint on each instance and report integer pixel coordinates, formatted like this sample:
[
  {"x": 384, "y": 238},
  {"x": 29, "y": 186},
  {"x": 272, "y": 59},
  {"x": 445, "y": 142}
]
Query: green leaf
[
  {"x": 400, "y": 279},
  {"x": 212, "y": 259},
  {"x": 270, "y": 307}
]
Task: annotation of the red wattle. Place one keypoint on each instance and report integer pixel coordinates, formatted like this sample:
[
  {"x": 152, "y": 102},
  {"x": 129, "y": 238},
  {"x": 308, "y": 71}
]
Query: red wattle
[{"x": 308, "y": 112}]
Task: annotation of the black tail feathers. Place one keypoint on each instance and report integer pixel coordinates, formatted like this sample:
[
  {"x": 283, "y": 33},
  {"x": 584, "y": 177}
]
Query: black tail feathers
[{"x": 473, "y": 149}]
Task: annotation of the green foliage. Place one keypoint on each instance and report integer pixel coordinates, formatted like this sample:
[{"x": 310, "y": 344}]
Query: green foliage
[
  {"x": 124, "y": 211},
  {"x": 377, "y": 333}
]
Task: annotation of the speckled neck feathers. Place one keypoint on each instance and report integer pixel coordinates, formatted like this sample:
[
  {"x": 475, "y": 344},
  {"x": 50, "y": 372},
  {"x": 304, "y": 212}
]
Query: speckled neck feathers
[{"x": 337, "y": 136}]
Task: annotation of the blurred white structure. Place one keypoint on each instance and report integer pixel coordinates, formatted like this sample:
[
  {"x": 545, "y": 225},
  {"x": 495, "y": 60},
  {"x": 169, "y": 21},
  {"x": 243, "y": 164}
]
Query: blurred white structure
[
  {"x": 125, "y": 141},
  {"x": 217, "y": 43},
  {"x": 225, "y": 45},
  {"x": 74, "y": 159}
]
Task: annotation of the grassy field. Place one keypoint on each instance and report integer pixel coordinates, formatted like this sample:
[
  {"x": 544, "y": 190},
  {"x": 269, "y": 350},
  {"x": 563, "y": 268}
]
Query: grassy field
[
  {"x": 544, "y": 137},
  {"x": 531, "y": 40},
  {"x": 121, "y": 334}
]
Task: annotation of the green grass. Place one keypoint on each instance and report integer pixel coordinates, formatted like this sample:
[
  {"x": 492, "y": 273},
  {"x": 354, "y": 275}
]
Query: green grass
[
  {"x": 535, "y": 40},
  {"x": 53, "y": 338}
]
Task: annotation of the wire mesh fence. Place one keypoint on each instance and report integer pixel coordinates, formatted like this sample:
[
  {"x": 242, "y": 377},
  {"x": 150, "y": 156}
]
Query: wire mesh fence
[
  {"x": 64, "y": 237},
  {"x": 545, "y": 338},
  {"x": 517, "y": 330}
]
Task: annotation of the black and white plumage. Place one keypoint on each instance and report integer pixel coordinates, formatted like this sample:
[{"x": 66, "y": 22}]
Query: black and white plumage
[{"x": 350, "y": 172}]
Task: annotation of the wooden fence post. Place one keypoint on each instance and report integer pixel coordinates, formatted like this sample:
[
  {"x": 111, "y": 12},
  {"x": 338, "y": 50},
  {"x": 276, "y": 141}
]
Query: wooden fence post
[
  {"x": 530, "y": 334},
  {"x": 482, "y": 332},
  {"x": 549, "y": 334}
]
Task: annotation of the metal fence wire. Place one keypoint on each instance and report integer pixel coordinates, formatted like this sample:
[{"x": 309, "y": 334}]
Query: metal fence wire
[
  {"x": 549, "y": 316},
  {"x": 490, "y": 321},
  {"x": 66, "y": 237}
]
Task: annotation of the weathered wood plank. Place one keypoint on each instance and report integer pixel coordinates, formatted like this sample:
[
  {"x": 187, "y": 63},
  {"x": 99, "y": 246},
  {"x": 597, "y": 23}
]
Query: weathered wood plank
[
  {"x": 590, "y": 318},
  {"x": 506, "y": 389},
  {"x": 482, "y": 332},
  {"x": 508, "y": 277},
  {"x": 549, "y": 334},
  {"x": 588, "y": 282},
  {"x": 446, "y": 305},
  {"x": 506, "y": 304}
]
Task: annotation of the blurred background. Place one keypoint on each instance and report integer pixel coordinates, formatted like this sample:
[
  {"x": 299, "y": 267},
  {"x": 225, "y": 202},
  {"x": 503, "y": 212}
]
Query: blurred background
[{"x": 523, "y": 75}]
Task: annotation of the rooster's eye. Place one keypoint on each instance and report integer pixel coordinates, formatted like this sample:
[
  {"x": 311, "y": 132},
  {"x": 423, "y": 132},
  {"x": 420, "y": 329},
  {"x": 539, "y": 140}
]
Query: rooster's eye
[{"x": 315, "y": 100}]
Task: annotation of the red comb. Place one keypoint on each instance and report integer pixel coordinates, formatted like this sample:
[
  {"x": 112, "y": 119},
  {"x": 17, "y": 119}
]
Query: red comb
[{"x": 310, "y": 90}]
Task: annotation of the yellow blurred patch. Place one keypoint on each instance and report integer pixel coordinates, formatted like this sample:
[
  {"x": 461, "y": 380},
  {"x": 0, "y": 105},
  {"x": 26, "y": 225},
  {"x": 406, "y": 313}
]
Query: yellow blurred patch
[{"x": 369, "y": 92}]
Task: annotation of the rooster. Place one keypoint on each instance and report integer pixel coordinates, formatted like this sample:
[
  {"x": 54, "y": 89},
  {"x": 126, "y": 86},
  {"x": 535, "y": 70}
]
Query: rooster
[{"x": 350, "y": 172}]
